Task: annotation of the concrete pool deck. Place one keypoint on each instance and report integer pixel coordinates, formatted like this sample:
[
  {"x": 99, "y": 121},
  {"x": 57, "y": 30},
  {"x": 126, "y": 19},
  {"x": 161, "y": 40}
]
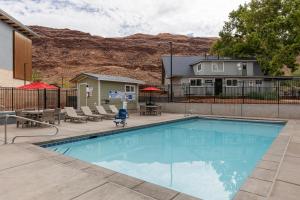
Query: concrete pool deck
[{"x": 28, "y": 171}]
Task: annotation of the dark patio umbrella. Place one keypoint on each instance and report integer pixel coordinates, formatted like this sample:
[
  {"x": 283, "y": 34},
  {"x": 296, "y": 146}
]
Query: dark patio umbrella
[{"x": 150, "y": 90}]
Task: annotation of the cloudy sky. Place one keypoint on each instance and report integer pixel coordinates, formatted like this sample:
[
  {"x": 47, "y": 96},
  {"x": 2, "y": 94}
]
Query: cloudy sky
[{"x": 112, "y": 18}]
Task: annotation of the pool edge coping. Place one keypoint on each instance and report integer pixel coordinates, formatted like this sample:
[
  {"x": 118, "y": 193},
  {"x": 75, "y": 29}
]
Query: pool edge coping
[{"x": 231, "y": 118}]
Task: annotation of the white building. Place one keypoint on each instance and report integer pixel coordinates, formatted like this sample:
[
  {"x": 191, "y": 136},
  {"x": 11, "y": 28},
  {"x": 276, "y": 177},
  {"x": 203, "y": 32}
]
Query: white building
[{"x": 15, "y": 51}]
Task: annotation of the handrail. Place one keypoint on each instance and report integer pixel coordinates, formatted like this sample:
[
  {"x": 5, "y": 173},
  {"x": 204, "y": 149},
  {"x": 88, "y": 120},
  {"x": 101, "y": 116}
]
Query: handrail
[{"x": 27, "y": 119}]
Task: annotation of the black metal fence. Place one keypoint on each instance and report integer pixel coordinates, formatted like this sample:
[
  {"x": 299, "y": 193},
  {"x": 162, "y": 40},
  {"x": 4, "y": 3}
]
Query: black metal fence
[
  {"x": 15, "y": 98},
  {"x": 237, "y": 92}
]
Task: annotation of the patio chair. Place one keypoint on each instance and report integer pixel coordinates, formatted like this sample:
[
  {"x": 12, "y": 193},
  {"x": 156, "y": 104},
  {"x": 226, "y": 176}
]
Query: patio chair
[
  {"x": 121, "y": 117},
  {"x": 57, "y": 113},
  {"x": 142, "y": 110},
  {"x": 87, "y": 112},
  {"x": 158, "y": 110},
  {"x": 103, "y": 112},
  {"x": 113, "y": 109},
  {"x": 71, "y": 114},
  {"x": 19, "y": 121},
  {"x": 48, "y": 116}
]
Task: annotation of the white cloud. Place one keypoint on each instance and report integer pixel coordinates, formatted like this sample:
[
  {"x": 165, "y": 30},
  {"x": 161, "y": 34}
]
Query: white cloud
[{"x": 124, "y": 17}]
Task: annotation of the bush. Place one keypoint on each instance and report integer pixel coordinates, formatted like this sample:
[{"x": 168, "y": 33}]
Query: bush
[{"x": 262, "y": 95}]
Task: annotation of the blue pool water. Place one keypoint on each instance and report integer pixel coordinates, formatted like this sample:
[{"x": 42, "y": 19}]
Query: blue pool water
[{"x": 205, "y": 158}]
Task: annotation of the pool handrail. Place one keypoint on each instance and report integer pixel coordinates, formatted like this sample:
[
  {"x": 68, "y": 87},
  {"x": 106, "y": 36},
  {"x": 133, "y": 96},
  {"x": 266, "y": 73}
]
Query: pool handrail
[{"x": 19, "y": 117}]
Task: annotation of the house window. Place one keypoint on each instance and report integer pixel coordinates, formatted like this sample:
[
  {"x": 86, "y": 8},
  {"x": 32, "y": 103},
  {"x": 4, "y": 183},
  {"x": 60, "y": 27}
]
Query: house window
[
  {"x": 251, "y": 83},
  {"x": 231, "y": 83},
  {"x": 258, "y": 82},
  {"x": 196, "y": 82},
  {"x": 199, "y": 67},
  {"x": 209, "y": 82},
  {"x": 217, "y": 67},
  {"x": 130, "y": 88}
]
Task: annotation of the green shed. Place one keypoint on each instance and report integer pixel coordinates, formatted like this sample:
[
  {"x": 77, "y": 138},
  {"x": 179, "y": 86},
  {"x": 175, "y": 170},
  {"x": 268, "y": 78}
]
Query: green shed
[{"x": 98, "y": 89}]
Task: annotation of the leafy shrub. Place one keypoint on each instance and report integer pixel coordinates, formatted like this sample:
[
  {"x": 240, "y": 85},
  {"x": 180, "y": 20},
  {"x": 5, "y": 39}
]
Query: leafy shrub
[{"x": 262, "y": 95}]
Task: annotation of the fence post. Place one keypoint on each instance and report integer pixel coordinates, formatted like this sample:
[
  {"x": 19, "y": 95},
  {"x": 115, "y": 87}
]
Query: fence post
[
  {"x": 12, "y": 99},
  {"x": 278, "y": 94},
  {"x": 58, "y": 98},
  {"x": 189, "y": 93},
  {"x": 45, "y": 98},
  {"x": 243, "y": 91},
  {"x": 169, "y": 93},
  {"x": 67, "y": 104},
  {"x": 278, "y": 97},
  {"x": 38, "y": 98},
  {"x": 214, "y": 94}
]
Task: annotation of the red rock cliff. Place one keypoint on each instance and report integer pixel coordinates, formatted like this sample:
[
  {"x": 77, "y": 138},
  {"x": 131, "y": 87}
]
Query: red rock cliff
[{"x": 65, "y": 53}]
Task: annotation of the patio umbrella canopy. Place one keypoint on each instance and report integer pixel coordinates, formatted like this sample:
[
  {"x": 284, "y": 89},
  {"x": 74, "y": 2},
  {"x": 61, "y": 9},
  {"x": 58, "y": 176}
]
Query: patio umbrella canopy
[
  {"x": 150, "y": 90},
  {"x": 37, "y": 85}
]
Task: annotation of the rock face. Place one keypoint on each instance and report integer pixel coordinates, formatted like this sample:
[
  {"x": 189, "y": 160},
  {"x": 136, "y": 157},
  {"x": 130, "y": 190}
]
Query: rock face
[{"x": 65, "y": 53}]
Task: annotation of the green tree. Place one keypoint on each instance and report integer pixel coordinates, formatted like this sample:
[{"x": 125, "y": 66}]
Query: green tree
[
  {"x": 266, "y": 29},
  {"x": 36, "y": 76}
]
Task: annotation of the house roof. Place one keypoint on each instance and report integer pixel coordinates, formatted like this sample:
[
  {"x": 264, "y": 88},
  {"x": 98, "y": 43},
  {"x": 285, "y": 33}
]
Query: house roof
[
  {"x": 181, "y": 65},
  {"x": 101, "y": 77},
  {"x": 222, "y": 59},
  {"x": 11, "y": 21}
]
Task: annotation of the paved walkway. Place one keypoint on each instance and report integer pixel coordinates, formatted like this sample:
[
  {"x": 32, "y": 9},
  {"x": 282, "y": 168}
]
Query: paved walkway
[
  {"x": 277, "y": 176},
  {"x": 31, "y": 172}
]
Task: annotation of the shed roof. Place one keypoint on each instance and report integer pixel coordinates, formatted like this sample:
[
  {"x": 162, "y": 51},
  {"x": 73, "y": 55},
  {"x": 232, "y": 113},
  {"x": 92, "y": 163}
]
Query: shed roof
[
  {"x": 101, "y": 77},
  {"x": 11, "y": 21}
]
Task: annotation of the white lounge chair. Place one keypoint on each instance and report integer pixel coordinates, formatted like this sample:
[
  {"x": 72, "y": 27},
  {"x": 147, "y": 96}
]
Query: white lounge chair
[
  {"x": 71, "y": 114},
  {"x": 103, "y": 112},
  {"x": 87, "y": 112},
  {"x": 114, "y": 109}
]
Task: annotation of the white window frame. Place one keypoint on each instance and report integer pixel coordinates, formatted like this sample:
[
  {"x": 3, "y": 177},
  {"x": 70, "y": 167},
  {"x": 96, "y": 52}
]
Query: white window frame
[
  {"x": 237, "y": 82},
  {"x": 131, "y": 86},
  {"x": 197, "y": 67},
  {"x": 259, "y": 85},
  {"x": 251, "y": 83},
  {"x": 212, "y": 67},
  {"x": 196, "y": 79}
]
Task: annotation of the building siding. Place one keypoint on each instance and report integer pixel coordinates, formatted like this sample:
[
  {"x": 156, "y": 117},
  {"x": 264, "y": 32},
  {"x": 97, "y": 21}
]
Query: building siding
[
  {"x": 106, "y": 86},
  {"x": 7, "y": 56},
  {"x": 6, "y": 46},
  {"x": 92, "y": 100},
  {"x": 230, "y": 69}
]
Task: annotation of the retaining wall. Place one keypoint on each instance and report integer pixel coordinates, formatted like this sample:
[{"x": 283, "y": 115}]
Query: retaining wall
[{"x": 285, "y": 111}]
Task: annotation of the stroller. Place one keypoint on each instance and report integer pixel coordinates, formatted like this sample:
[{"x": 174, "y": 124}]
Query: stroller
[{"x": 121, "y": 117}]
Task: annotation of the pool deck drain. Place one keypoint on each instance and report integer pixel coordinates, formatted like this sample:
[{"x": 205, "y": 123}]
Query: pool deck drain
[{"x": 28, "y": 171}]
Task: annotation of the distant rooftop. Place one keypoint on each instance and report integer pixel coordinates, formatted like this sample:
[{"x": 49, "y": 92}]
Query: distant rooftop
[
  {"x": 182, "y": 64},
  {"x": 11, "y": 21},
  {"x": 101, "y": 77}
]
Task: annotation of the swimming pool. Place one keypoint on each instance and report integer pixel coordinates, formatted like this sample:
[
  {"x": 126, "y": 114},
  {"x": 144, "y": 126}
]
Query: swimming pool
[{"x": 205, "y": 158}]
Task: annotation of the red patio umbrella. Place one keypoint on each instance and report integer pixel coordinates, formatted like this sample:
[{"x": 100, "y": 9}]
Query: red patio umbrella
[
  {"x": 37, "y": 85},
  {"x": 150, "y": 90}
]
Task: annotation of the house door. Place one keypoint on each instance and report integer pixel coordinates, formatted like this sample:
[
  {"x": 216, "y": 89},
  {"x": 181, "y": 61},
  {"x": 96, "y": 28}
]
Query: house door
[
  {"x": 244, "y": 69},
  {"x": 218, "y": 86}
]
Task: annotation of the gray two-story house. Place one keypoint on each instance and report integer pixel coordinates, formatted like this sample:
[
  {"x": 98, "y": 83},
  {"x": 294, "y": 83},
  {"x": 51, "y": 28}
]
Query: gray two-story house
[{"x": 208, "y": 75}]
